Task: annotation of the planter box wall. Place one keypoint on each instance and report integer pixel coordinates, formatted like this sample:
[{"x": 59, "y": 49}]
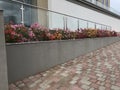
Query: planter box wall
[{"x": 30, "y": 58}]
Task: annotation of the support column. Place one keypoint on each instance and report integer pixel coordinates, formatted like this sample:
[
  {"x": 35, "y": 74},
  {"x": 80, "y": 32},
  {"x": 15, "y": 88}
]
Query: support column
[
  {"x": 3, "y": 60},
  {"x": 43, "y": 14}
]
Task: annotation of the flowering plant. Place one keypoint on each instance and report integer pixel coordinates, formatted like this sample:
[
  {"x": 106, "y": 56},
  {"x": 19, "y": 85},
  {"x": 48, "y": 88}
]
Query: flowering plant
[
  {"x": 80, "y": 34},
  {"x": 89, "y": 33},
  {"x": 20, "y": 33},
  {"x": 40, "y": 32},
  {"x": 57, "y": 33},
  {"x": 11, "y": 35},
  {"x": 66, "y": 34}
]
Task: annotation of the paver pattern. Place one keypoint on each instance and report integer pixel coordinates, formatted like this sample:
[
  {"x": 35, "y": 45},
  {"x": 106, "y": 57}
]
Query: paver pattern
[{"x": 98, "y": 70}]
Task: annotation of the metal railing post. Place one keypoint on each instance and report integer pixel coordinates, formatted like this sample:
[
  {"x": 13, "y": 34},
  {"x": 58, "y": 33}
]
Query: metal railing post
[
  {"x": 95, "y": 25},
  {"x": 110, "y": 28},
  {"x": 101, "y": 26},
  {"x": 87, "y": 25},
  {"x": 78, "y": 24},
  {"x": 22, "y": 14},
  {"x": 106, "y": 27},
  {"x": 66, "y": 23}
]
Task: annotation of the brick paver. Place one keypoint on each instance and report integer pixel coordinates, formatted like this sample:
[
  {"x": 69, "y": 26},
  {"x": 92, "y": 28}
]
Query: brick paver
[{"x": 98, "y": 70}]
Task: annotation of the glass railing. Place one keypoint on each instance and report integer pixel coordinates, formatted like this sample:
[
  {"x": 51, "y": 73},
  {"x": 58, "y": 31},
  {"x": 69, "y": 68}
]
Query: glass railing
[
  {"x": 27, "y": 14},
  {"x": 104, "y": 6}
]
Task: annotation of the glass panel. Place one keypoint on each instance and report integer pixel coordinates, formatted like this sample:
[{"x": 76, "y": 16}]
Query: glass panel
[
  {"x": 72, "y": 23},
  {"x": 56, "y": 20},
  {"x": 108, "y": 28},
  {"x": 100, "y": 4},
  {"x": 98, "y": 26},
  {"x": 83, "y": 24},
  {"x": 91, "y": 25},
  {"x": 30, "y": 15},
  {"x": 104, "y": 27}
]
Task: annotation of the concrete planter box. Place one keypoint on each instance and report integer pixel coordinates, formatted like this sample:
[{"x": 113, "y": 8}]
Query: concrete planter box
[{"x": 26, "y": 59}]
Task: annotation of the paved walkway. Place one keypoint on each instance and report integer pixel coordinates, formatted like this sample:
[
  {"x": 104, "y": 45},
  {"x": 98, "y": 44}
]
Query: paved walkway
[{"x": 98, "y": 70}]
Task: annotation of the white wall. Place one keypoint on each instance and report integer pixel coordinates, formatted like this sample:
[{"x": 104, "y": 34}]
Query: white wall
[{"x": 72, "y": 9}]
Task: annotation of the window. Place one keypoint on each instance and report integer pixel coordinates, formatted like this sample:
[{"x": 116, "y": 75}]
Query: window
[
  {"x": 107, "y": 3},
  {"x": 12, "y": 12},
  {"x": 102, "y": 1}
]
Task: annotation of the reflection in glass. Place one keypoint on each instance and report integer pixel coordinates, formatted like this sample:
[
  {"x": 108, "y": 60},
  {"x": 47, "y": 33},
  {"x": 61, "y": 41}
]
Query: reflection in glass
[{"x": 12, "y": 12}]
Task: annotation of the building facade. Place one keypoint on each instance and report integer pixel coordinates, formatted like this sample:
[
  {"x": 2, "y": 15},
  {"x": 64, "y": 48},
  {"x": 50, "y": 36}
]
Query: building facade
[{"x": 83, "y": 9}]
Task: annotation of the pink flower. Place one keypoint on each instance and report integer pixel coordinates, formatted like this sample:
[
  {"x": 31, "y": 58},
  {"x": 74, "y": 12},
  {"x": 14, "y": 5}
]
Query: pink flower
[
  {"x": 17, "y": 26},
  {"x": 31, "y": 34},
  {"x": 13, "y": 26},
  {"x": 48, "y": 34},
  {"x": 13, "y": 33},
  {"x": 35, "y": 26}
]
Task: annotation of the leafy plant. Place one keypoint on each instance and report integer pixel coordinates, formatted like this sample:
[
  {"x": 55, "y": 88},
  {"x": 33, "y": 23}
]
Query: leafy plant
[{"x": 20, "y": 33}]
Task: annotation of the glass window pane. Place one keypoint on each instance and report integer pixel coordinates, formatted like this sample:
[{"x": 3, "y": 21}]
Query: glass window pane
[
  {"x": 91, "y": 25},
  {"x": 30, "y": 15},
  {"x": 12, "y": 12}
]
